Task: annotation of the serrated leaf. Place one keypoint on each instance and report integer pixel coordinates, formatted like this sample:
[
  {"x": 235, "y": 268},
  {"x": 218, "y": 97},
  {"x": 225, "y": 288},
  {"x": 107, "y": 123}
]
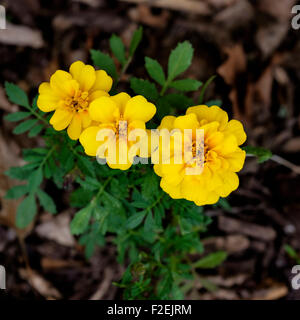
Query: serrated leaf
[
  {"x": 16, "y": 192},
  {"x": 21, "y": 173},
  {"x": 35, "y": 180},
  {"x": 35, "y": 130},
  {"x": 26, "y": 212},
  {"x": 186, "y": 85},
  {"x": 144, "y": 88},
  {"x": 149, "y": 224},
  {"x": 118, "y": 49},
  {"x": 17, "y": 116},
  {"x": 135, "y": 41},
  {"x": 155, "y": 70},
  {"x": 104, "y": 61},
  {"x": 81, "y": 220},
  {"x": 135, "y": 219},
  {"x": 211, "y": 261},
  {"x": 178, "y": 101},
  {"x": 262, "y": 154},
  {"x": 180, "y": 59},
  {"x": 46, "y": 201},
  {"x": 24, "y": 126},
  {"x": 16, "y": 95},
  {"x": 86, "y": 166}
]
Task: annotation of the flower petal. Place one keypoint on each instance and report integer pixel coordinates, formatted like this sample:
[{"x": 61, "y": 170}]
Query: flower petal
[
  {"x": 167, "y": 123},
  {"x": 61, "y": 119},
  {"x": 102, "y": 82},
  {"x": 58, "y": 80},
  {"x": 74, "y": 129},
  {"x": 97, "y": 94},
  {"x": 213, "y": 113},
  {"x": 88, "y": 140},
  {"x": 236, "y": 128},
  {"x": 186, "y": 122},
  {"x": 85, "y": 75},
  {"x": 121, "y": 99},
  {"x": 138, "y": 108},
  {"x": 48, "y": 99},
  {"x": 104, "y": 110}
]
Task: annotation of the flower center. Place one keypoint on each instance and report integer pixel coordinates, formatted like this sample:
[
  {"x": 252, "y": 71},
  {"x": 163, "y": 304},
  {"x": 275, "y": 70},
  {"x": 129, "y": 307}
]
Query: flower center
[{"x": 80, "y": 101}]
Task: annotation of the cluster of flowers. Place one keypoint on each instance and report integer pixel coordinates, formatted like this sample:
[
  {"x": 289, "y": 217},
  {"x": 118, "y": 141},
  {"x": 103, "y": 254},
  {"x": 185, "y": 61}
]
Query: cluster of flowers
[{"x": 82, "y": 104}]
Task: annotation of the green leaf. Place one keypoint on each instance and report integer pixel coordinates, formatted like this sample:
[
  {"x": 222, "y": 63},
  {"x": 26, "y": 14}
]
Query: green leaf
[
  {"x": 262, "y": 154},
  {"x": 86, "y": 166},
  {"x": 24, "y": 126},
  {"x": 118, "y": 49},
  {"x": 149, "y": 224},
  {"x": 178, "y": 101},
  {"x": 180, "y": 59},
  {"x": 144, "y": 88},
  {"x": 155, "y": 70},
  {"x": 35, "y": 180},
  {"x": 186, "y": 85},
  {"x": 81, "y": 220},
  {"x": 136, "y": 219},
  {"x": 211, "y": 261},
  {"x": 21, "y": 173},
  {"x": 26, "y": 212},
  {"x": 35, "y": 130},
  {"x": 16, "y": 95},
  {"x": 16, "y": 192},
  {"x": 104, "y": 61},
  {"x": 17, "y": 116},
  {"x": 46, "y": 201},
  {"x": 135, "y": 41}
]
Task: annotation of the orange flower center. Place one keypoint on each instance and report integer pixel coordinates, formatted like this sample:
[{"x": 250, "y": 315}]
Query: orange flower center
[{"x": 80, "y": 101}]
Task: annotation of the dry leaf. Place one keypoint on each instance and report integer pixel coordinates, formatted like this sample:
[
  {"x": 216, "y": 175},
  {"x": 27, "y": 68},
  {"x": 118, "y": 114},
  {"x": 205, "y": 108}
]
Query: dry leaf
[
  {"x": 57, "y": 229},
  {"x": 21, "y": 36}
]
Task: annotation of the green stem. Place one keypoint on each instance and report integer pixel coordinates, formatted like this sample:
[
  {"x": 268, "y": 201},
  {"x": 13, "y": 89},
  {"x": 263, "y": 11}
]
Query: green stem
[
  {"x": 47, "y": 156},
  {"x": 37, "y": 115},
  {"x": 165, "y": 87},
  {"x": 101, "y": 190},
  {"x": 202, "y": 92}
]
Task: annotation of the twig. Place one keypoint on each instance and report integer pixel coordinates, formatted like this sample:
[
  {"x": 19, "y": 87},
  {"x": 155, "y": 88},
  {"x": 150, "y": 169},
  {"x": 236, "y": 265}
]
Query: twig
[
  {"x": 182, "y": 5},
  {"x": 286, "y": 163}
]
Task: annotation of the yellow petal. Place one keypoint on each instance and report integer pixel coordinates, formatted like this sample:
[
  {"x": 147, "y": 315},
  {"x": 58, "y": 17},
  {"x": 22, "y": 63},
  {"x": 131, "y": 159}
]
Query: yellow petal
[
  {"x": 213, "y": 113},
  {"x": 61, "y": 119},
  {"x": 48, "y": 99},
  {"x": 236, "y": 128},
  {"x": 104, "y": 110},
  {"x": 167, "y": 123},
  {"x": 121, "y": 99},
  {"x": 186, "y": 122},
  {"x": 85, "y": 118},
  {"x": 97, "y": 94},
  {"x": 57, "y": 82},
  {"x": 102, "y": 82},
  {"x": 85, "y": 75},
  {"x": 230, "y": 183},
  {"x": 138, "y": 108},
  {"x": 74, "y": 129},
  {"x": 173, "y": 191},
  {"x": 89, "y": 142},
  {"x": 236, "y": 160},
  {"x": 228, "y": 145}
]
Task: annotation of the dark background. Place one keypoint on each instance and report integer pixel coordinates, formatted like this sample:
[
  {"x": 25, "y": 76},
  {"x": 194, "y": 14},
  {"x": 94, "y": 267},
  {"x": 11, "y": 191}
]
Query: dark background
[{"x": 256, "y": 54}]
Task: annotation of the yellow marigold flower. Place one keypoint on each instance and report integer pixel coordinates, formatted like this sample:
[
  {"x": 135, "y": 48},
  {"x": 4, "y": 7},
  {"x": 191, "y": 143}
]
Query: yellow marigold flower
[
  {"x": 70, "y": 94},
  {"x": 121, "y": 114},
  {"x": 222, "y": 156}
]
